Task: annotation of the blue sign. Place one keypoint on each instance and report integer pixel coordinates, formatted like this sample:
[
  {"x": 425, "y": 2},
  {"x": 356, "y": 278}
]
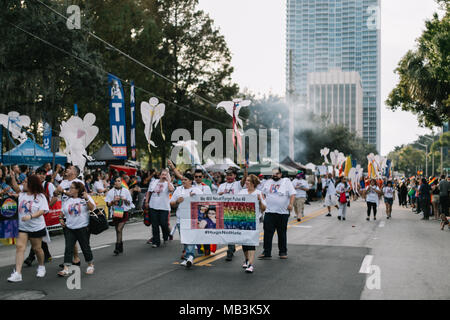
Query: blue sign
[
  {"x": 133, "y": 123},
  {"x": 117, "y": 119},
  {"x": 47, "y": 137}
]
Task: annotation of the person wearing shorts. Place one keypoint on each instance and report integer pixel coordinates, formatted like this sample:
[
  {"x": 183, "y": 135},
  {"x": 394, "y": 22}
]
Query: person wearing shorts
[{"x": 389, "y": 195}]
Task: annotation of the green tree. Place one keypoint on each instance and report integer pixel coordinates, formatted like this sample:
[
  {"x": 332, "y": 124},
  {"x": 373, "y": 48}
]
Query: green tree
[{"x": 424, "y": 87}]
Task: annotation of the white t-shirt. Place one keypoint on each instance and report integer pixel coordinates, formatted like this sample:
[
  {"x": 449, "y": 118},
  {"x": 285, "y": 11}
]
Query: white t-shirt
[
  {"x": 261, "y": 184},
  {"x": 98, "y": 185},
  {"x": 257, "y": 193},
  {"x": 65, "y": 184},
  {"x": 76, "y": 212},
  {"x": 331, "y": 188},
  {"x": 388, "y": 192},
  {"x": 371, "y": 195},
  {"x": 51, "y": 189},
  {"x": 300, "y": 183},
  {"x": 28, "y": 204},
  {"x": 230, "y": 188},
  {"x": 160, "y": 196},
  {"x": 123, "y": 193},
  {"x": 278, "y": 195},
  {"x": 202, "y": 186},
  {"x": 181, "y": 192}
]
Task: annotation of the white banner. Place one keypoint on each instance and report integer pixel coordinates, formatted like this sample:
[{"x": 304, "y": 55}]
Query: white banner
[{"x": 214, "y": 219}]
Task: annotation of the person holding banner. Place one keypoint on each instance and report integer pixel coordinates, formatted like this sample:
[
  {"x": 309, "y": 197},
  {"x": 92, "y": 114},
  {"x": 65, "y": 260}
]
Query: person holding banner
[
  {"x": 251, "y": 184},
  {"x": 280, "y": 197},
  {"x": 120, "y": 202},
  {"x": 181, "y": 193},
  {"x": 32, "y": 206},
  {"x": 231, "y": 186},
  {"x": 76, "y": 210}
]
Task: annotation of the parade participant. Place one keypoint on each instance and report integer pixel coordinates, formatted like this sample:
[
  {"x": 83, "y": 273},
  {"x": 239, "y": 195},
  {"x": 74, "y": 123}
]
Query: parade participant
[
  {"x": 70, "y": 175},
  {"x": 424, "y": 198},
  {"x": 181, "y": 193},
  {"x": 280, "y": 196},
  {"x": 76, "y": 211},
  {"x": 198, "y": 182},
  {"x": 32, "y": 206},
  {"x": 49, "y": 190},
  {"x": 159, "y": 205},
  {"x": 330, "y": 197},
  {"x": 389, "y": 197},
  {"x": 301, "y": 187},
  {"x": 342, "y": 189},
  {"x": 252, "y": 183},
  {"x": 120, "y": 203},
  {"x": 231, "y": 186},
  {"x": 371, "y": 194},
  {"x": 99, "y": 185}
]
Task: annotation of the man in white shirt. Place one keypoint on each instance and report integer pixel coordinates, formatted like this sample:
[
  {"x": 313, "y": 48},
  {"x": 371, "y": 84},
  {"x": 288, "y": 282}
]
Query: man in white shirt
[
  {"x": 330, "y": 197},
  {"x": 301, "y": 186},
  {"x": 280, "y": 197},
  {"x": 198, "y": 182},
  {"x": 231, "y": 186}
]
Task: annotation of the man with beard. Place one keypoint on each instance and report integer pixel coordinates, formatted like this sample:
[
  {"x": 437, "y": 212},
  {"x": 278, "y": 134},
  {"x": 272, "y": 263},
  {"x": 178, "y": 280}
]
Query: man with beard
[
  {"x": 231, "y": 186},
  {"x": 280, "y": 197}
]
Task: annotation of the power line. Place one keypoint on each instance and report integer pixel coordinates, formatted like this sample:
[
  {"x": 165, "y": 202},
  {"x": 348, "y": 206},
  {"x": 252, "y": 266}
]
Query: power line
[
  {"x": 124, "y": 81},
  {"x": 128, "y": 56}
]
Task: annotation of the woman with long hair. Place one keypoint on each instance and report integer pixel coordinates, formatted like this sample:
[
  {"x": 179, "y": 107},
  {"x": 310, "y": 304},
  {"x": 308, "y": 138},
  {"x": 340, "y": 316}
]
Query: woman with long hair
[
  {"x": 389, "y": 197},
  {"x": 251, "y": 183},
  {"x": 31, "y": 206},
  {"x": 76, "y": 211}
]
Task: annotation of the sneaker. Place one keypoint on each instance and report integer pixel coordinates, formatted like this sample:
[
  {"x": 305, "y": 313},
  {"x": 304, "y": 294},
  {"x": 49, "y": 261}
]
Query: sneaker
[
  {"x": 183, "y": 263},
  {"x": 15, "y": 277},
  {"x": 189, "y": 262},
  {"x": 249, "y": 269},
  {"x": 229, "y": 256},
  {"x": 343, "y": 219},
  {"x": 367, "y": 218},
  {"x": 264, "y": 257},
  {"x": 339, "y": 218},
  {"x": 40, "y": 272},
  {"x": 374, "y": 218},
  {"x": 245, "y": 265},
  {"x": 328, "y": 215},
  {"x": 298, "y": 219},
  {"x": 155, "y": 246}
]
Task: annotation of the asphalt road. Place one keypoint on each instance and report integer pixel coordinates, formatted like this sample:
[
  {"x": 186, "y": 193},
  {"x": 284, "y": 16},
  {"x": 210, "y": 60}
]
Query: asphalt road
[{"x": 401, "y": 258}]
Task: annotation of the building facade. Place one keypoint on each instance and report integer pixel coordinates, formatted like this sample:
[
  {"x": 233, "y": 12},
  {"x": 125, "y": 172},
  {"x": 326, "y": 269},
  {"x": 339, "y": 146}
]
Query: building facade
[
  {"x": 339, "y": 95},
  {"x": 326, "y": 34}
]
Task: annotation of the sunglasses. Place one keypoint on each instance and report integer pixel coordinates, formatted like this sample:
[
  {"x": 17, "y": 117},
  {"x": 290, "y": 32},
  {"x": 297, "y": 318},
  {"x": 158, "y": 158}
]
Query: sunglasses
[{"x": 199, "y": 176}]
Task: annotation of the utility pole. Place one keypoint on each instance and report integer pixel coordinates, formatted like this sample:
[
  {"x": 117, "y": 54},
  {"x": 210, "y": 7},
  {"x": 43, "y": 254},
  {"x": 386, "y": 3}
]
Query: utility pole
[
  {"x": 291, "y": 104},
  {"x": 432, "y": 155},
  {"x": 426, "y": 158}
]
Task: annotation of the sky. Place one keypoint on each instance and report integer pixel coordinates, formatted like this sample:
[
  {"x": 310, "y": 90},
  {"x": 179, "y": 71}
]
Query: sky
[{"x": 255, "y": 33}]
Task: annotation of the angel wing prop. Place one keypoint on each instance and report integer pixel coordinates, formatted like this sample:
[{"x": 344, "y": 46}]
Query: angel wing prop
[
  {"x": 334, "y": 156},
  {"x": 191, "y": 147},
  {"x": 152, "y": 113},
  {"x": 324, "y": 152},
  {"x": 233, "y": 108},
  {"x": 14, "y": 122},
  {"x": 78, "y": 134}
]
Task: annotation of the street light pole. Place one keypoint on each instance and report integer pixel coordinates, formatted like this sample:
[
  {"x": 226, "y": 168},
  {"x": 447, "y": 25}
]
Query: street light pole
[
  {"x": 426, "y": 158},
  {"x": 432, "y": 155}
]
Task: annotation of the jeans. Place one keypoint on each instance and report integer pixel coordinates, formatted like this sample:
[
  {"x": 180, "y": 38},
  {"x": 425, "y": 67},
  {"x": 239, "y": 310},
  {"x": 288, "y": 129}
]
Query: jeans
[
  {"x": 278, "y": 222},
  {"x": 342, "y": 209},
  {"x": 82, "y": 236},
  {"x": 189, "y": 251},
  {"x": 159, "y": 218}
]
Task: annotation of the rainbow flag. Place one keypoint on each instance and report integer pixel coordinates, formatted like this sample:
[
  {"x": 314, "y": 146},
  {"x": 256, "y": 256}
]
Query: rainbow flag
[
  {"x": 432, "y": 180},
  {"x": 124, "y": 185},
  {"x": 348, "y": 166}
]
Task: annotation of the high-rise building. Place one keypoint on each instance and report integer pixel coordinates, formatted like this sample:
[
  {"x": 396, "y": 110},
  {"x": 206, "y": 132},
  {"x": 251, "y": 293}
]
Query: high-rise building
[
  {"x": 326, "y": 34},
  {"x": 338, "y": 95}
]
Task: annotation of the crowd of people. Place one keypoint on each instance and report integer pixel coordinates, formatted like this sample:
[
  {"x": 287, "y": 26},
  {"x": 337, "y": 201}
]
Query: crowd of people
[{"x": 70, "y": 192}]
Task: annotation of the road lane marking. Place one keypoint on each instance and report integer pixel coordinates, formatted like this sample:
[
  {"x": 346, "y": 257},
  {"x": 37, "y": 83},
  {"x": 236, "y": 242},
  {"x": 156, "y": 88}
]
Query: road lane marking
[
  {"x": 366, "y": 264},
  {"x": 381, "y": 225}
]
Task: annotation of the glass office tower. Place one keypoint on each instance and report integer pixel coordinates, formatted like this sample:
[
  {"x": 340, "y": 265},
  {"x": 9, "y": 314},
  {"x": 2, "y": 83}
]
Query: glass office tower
[{"x": 326, "y": 34}]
